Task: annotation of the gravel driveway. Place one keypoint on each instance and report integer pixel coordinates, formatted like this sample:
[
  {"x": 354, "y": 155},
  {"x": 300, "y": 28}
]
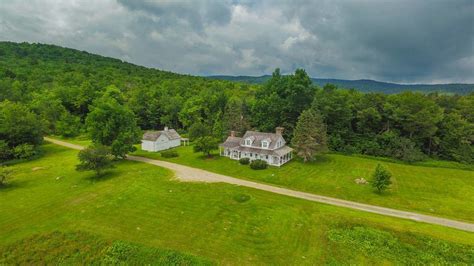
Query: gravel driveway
[{"x": 190, "y": 174}]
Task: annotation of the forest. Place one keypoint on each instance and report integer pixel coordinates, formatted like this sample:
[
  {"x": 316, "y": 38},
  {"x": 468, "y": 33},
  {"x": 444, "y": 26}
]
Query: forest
[{"x": 50, "y": 90}]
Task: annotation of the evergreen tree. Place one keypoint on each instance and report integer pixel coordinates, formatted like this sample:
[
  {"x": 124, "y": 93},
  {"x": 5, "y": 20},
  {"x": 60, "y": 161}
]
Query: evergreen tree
[
  {"x": 235, "y": 117},
  {"x": 381, "y": 178},
  {"x": 309, "y": 135}
]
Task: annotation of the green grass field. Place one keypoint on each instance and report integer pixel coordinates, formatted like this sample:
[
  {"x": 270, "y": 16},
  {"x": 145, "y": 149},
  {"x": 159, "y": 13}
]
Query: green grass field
[
  {"x": 49, "y": 208},
  {"x": 429, "y": 188}
]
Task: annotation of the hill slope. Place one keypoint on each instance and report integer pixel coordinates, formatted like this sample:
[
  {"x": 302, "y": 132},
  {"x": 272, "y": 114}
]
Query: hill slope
[{"x": 365, "y": 85}]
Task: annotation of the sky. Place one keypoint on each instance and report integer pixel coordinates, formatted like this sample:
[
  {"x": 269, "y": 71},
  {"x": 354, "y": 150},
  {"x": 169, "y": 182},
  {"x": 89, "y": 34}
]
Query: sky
[{"x": 405, "y": 41}]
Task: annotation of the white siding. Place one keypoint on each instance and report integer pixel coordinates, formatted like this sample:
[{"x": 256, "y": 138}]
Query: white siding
[
  {"x": 148, "y": 145},
  {"x": 162, "y": 143}
]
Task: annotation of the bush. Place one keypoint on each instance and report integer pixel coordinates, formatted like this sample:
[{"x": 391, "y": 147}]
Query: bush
[
  {"x": 258, "y": 164},
  {"x": 5, "y": 152},
  {"x": 169, "y": 154},
  {"x": 24, "y": 151},
  {"x": 5, "y": 173},
  {"x": 241, "y": 198},
  {"x": 244, "y": 161}
]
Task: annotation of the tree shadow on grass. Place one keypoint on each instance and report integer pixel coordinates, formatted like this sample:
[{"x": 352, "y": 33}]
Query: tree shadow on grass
[
  {"x": 213, "y": 157},
  {"x": 12, "y": 185},
  {"x": 317, "y": 160},
  {"x": 103, "y": 176}
]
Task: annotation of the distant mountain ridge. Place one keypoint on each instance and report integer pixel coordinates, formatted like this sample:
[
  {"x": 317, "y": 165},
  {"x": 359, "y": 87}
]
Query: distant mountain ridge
[{"x": 366, "y": 85}]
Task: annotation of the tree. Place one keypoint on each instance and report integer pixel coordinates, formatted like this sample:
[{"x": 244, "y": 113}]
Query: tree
[
  {"x": 456, "y": 138},
  {"x": 95, "y": 158},
  {"x": 381, "y": 178},
  {"x": 281, "y": 100},
  {"x": 235, "y": 117},
  {"x": 336, "y": 107},
  {"x": 205, "y": 145},
  {"x": 19, "y": 125},
  {"x": 416, "y": 116},
  {"x": 112, "y": 124},
  {"x": 198, "y": 130},
  {"x": 310, "y": 135},
  {"x": 5, "y": 173},
  {"x": 68, "y": 125}
]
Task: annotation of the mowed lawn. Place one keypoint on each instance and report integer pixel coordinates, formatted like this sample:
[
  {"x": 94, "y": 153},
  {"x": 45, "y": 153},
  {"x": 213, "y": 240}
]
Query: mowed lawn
[
  {"x": 439, "y": 191},
  {"x": 142, "y": 204}
]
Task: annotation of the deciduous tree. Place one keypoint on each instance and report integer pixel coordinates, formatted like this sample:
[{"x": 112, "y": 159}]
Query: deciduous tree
[
  {"x": 95, "y": 158},
  {"x": 205, "y": 145},
  {"x": 114, "y": 125}
]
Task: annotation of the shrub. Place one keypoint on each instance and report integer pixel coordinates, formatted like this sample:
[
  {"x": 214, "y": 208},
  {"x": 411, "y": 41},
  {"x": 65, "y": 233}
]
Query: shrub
[
  {"x": 5, "y": 152},
  {"x": 169, "y": 154},
  {"x": 241, "y": 198},
  {"x": 5, "y": 173},
  {"x": 24, "y": 151},
  {"x": 244, "y": 161},
  {"x": 258, "y": 164}
]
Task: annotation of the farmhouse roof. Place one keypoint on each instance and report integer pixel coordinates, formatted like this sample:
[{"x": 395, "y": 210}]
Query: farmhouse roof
[
  {"x": 231, "y": 142},
  {"x": 258, "y": 137}
]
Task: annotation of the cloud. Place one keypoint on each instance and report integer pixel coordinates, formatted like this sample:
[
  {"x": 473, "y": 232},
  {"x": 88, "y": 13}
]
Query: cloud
[{"x": 401, "y": 41}]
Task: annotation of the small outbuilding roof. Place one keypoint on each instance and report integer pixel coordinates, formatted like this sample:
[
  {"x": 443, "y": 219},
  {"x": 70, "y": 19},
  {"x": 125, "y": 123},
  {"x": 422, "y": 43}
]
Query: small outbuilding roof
[{"x": 171, "y": 134}]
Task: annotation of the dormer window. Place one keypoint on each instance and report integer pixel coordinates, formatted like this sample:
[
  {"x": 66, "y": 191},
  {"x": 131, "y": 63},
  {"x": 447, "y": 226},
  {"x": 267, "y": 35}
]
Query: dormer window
[
  {"x": 248, "y": 142},
  {"x": 265, "y": 144}
]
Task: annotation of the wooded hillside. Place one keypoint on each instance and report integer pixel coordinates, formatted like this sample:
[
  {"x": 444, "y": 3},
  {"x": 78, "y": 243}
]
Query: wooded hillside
[{"x": 61, "y": 86}]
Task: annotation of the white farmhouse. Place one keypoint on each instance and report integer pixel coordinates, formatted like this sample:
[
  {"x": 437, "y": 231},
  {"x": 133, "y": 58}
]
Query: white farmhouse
[
  {"x": 270, "y": 147},
  {"x": 160, "y": 140}
]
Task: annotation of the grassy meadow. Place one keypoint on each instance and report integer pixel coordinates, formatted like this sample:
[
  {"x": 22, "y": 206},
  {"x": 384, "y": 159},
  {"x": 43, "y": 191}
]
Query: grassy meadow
[
  {"x": 138, "y": 212},
  {"x": 434, "y": 188}
]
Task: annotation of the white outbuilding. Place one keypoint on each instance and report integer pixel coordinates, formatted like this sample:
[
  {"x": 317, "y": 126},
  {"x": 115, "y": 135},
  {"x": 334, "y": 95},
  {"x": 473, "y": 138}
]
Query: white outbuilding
[{"x": 160, "y": 140}]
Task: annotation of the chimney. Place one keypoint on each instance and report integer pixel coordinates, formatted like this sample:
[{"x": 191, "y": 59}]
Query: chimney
[
  {"x": 279, "y": 130},
  {"x": 232, "y": 133},
  {"x": 166, "y": 128}
]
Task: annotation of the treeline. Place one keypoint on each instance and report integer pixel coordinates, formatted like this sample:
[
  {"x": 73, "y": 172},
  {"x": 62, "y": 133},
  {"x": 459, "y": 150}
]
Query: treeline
[
  {"x": 63, "y": 87},
  {"x": 407, "y": 126}
]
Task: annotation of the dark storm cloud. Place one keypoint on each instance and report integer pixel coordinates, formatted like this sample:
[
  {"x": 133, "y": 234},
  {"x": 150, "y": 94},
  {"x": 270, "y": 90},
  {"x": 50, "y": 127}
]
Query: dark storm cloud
[{"x": 403, "y": 41}]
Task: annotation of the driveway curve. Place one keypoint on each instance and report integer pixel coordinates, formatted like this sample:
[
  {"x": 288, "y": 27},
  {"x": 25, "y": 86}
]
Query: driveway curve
[{"x": 190, "y": 174}]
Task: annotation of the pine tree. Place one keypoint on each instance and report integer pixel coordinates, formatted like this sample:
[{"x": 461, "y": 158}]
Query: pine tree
[
  {"x": 381, "y": 178},
  {"x": 310, "y": 135}
]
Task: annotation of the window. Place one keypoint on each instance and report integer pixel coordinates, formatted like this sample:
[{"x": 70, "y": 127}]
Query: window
[
  {"x": 248, "y": 142},
  {"x": 264, "y": 144}
]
